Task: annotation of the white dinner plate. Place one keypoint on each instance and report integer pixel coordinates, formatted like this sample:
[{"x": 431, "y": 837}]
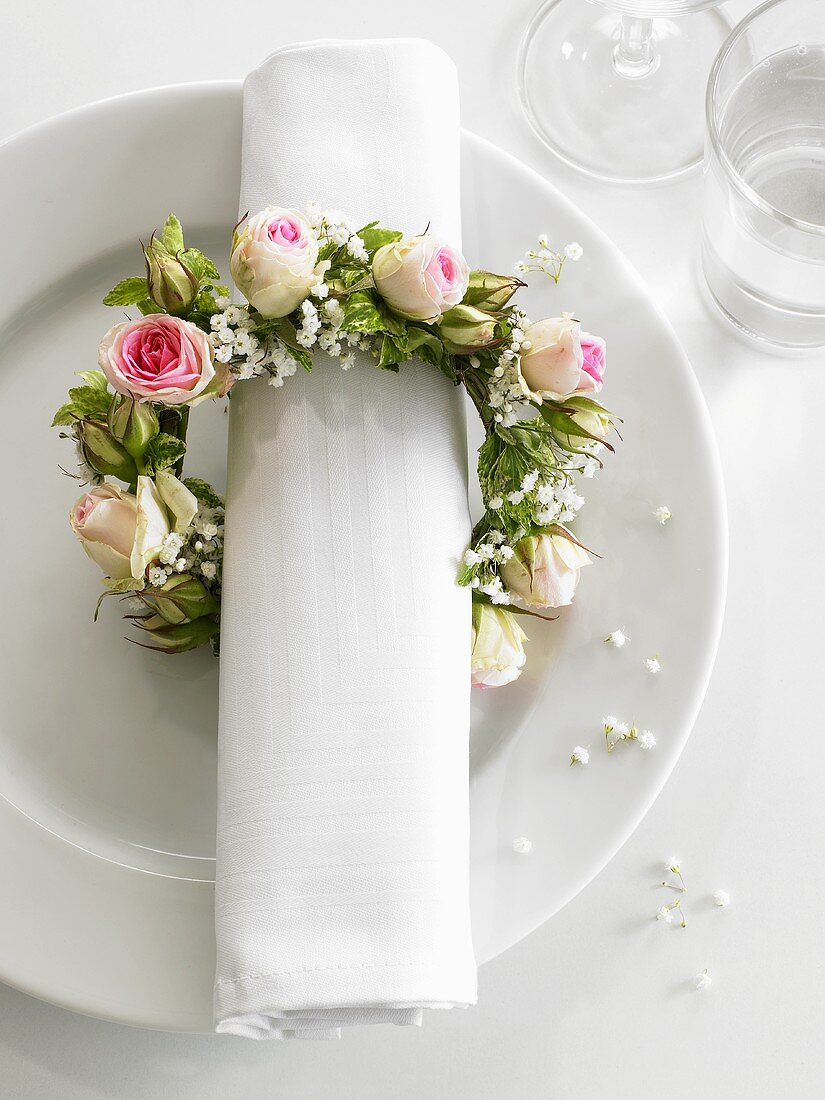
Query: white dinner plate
[{"x": 107, "y": 752}]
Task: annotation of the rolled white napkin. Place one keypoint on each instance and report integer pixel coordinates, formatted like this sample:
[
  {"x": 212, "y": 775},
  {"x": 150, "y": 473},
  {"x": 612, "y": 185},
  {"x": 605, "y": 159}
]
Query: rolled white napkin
[{"x": 342, "y": 860}]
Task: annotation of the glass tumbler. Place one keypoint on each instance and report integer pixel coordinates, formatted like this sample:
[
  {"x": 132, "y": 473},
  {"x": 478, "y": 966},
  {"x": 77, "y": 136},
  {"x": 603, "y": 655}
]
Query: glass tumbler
[{"x": 763, "y": 251}]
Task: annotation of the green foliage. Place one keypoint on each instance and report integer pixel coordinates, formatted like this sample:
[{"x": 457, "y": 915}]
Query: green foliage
[
  {"x": 164, "y": 451},
  {"x": 204, "y": 492},
  {"x": 128, "y": 292},
  {"x": 85, "y": 403},
  {"x": 171, "y": 235},
  {"x": 375, "y": 237}
]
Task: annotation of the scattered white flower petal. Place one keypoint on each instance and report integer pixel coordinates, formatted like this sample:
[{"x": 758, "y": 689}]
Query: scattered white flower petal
[
  {"x": 652, "y": 664},
  {"x": 617, "y": 638},
  {"x": 703, "y": 980},
  {"x": 663, "y": 514},
  {"x": 580, "y": 755},
  {"x": 722, "y": 899},
  {"x": 646, "y": 740},
  {"x": 522, "y": 845}
]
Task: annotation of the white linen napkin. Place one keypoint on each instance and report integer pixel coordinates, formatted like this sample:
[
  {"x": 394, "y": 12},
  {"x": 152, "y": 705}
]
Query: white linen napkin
[{"x": 342, "y": 861}]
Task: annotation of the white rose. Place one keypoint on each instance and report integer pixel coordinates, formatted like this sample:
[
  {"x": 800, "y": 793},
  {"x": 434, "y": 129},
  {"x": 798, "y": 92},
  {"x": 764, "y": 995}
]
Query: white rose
[
  {"x": 123, "y": 532},
  {"x": 552, "y": 366},
  {"x": 420, "y": 278},
  {"x": 274, "y": 260},
  {"x": 497, "y": 648},
  {"x": 544, "y": 570}
]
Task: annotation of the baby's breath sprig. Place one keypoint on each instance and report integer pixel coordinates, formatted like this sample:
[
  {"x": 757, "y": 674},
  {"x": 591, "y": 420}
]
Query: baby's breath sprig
[{"x": 616, "y": 731}]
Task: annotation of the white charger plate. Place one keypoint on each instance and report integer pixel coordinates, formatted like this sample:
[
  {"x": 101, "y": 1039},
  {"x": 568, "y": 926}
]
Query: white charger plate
[{"x": 107, "y": 752}]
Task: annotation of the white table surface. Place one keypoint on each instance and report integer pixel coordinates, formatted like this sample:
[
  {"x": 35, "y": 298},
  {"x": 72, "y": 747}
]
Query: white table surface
[{"x": 599, "y": 1002}]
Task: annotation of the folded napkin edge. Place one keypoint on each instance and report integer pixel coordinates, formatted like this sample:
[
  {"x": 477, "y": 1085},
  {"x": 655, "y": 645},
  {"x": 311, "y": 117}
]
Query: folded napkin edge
[{"x": 347, "y": 43}]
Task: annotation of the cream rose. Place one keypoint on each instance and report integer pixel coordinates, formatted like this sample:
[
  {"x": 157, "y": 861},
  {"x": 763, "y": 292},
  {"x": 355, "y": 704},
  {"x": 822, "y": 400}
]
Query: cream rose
[
  {"x": 497, "y": 647},
  {"x": 274, "y": 260},
  {"x": 420, "y": 278},
  {"x": 123, "y": 532},
  {"x": 553, "y": 366},
  {"x": 544, "y": 570}
]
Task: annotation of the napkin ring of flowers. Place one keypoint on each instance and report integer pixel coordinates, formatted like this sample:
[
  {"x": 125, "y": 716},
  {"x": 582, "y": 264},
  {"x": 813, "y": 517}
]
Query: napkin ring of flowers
[{"x": 312, "y": 282}]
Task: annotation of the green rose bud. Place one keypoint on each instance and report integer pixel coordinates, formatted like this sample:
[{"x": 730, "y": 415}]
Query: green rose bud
[
  {"x": 489, "y": 291},
  {"x": 177, "y": 637},
  {"x": 134, "y": 424},
  {"x": 173, "y": 286},
  {"x": 467, "y": 328},
  {"x": 182, "y": 599},
  {"x": 104, "y": 453}
]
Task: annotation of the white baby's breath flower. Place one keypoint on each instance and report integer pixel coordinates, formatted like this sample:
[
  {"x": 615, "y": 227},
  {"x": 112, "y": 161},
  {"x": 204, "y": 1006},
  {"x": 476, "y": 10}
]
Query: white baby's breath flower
[
  {"x": 209, "y": 570},
  {"x": 609, "y": 722},
  {"x": 665, "y": 914},
  {"x": 617, "y": 638},
  {"x": 646, "y": 740},
  {"x": 573, "y": 251},
  {"x": 471, "y": 557},
  {"x": 722, "y": 899},
  {"x": 652, "y": 664},
  {"x": 703, "y": 980},
  {"x": 674, "y": 864},
  {"x": 157, "y": 576},
  {"x": 516, "y": 497},
  {"x": 495, "y": 503},
  {"x": 663, "y": 514},
  {"x": 580, "y": 755},
  {"x": 522, "y": 845}
]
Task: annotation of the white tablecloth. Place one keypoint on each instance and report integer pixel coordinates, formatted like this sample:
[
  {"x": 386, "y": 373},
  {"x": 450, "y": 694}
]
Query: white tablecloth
[{"x": 602, "y": 993}]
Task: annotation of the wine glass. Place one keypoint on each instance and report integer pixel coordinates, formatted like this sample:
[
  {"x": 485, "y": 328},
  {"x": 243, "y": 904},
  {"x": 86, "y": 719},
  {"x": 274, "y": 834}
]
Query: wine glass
[{"x": 616, "y": 87}]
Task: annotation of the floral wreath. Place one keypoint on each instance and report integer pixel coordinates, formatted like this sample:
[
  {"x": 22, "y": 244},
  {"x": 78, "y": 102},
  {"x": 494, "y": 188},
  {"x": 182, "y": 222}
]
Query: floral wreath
[{"x": 314, "y": 283}]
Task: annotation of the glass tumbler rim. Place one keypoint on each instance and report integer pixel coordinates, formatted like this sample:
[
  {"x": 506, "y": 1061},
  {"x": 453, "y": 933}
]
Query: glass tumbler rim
[{"x": 734, "y": 176}]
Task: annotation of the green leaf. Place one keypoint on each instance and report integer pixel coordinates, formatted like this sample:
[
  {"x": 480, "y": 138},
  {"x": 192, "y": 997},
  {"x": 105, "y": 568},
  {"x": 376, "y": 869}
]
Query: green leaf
[
  {"x": 172, "y": 236},
  {"x": 204, "y": 492},
  {"x": 374, "y": 237},
  {"x": 393, "y": 352},
  {"x": 128, "y": 292},
  {"x": 147, "y": 306},
  {"x": 200, "y": 265},
  {"x": 299, "y": 354},
  {"x": 64, "y": 415},
  {"x": 94, "y": 378},
  {"x": 89, "y": 402},
  {"x": 426, "y": 345},
  {"x": 164, "y": 451},
  {"x": 361, "y": 314}
]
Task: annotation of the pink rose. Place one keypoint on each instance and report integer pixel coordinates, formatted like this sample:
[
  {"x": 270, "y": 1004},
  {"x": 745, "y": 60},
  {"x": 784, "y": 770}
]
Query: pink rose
[
  {"x": 158, "y": 358},
  {"x": 593, "y": 350},
  {"x": 420, "y": 278},
  {"x": 274, "y": 260},
  {"x": 556, "y": 364}
]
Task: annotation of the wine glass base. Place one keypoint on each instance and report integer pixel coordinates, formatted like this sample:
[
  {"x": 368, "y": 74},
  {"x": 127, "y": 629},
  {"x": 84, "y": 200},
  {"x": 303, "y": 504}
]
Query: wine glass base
[{"x": 637, "y": 129}]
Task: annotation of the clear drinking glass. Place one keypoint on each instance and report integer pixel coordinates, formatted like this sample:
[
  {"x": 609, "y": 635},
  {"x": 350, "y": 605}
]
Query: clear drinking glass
[
  {"x": 763, "y": 249},
  {"x": 615, "y": 87}
]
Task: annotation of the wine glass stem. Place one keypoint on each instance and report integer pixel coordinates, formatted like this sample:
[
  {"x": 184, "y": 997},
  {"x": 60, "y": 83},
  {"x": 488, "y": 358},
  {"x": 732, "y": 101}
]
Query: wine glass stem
[{"x": 634, "y": 55}]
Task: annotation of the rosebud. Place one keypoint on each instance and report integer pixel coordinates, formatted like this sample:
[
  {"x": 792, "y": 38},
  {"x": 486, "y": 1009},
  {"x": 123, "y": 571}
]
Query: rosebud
[
  {"x": 465, "y": 327},
  {"x": 497, "y": 646},
  {"x": 178, "y": 637},
  {"x": 134, "y": 424},
  {"x": 544, "y": 569},
  {"x": 595, "y": 424},
  {"x": 103, "y": 453},
  {"x": 489, "y": 291},
  {"x": 182, "y": 599},
  {"x": 173, "y": 286}
]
